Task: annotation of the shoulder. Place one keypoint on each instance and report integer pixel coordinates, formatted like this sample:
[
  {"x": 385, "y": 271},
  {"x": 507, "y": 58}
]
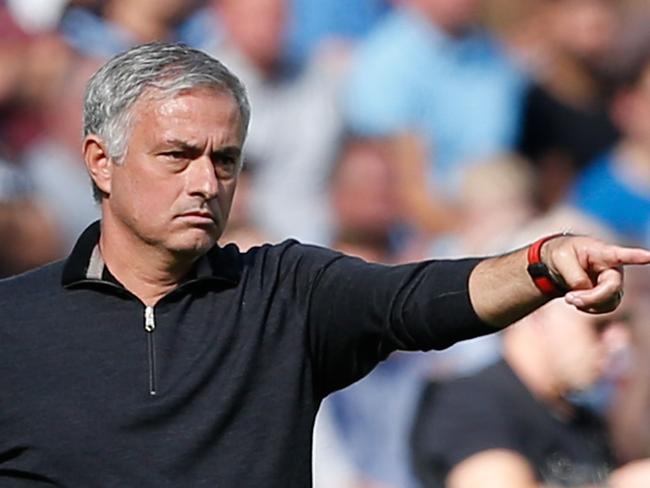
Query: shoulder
[
  {"x": 287, "y": 250},
  {"x": 284, "y": 258},
  {"x": 473, "y": 407},
  {"x": 480, "y": 391},
  {"x": 460, "y": 419}
]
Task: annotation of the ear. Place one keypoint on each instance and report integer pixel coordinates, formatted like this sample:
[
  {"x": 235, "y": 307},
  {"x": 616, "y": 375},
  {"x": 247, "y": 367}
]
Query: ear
[{"x": 98, "y": 162}]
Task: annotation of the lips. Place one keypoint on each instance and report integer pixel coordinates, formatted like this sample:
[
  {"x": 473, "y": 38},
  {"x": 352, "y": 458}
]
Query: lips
[
  {"x": 199, "y": 216},
  {"x": 198, "y": 213}
]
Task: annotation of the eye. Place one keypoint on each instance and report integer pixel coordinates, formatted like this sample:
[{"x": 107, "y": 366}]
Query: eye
[
  {"x": 174, "y": 154},
  {"x": 227, "y": 161},
  {"x": 175, "y": 160},
  {"x": 225, "y": 165}
]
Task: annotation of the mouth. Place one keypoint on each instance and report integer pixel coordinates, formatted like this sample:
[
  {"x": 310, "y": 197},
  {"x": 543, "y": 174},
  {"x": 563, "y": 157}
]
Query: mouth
[{"x": 199, "y": 217}]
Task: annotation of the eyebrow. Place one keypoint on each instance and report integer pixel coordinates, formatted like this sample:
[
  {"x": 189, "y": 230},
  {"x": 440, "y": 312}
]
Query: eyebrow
[
  {"x": 231, "y": 151},
  {"x": 177, "y": 144}
]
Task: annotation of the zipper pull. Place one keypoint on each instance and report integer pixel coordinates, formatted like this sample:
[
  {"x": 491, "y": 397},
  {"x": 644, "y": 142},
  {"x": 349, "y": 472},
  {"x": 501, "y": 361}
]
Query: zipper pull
[{"x": 149, "y": 322}]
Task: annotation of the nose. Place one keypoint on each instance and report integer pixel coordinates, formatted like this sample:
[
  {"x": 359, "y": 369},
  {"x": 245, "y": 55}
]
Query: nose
[{"x": 202, "y": 179}]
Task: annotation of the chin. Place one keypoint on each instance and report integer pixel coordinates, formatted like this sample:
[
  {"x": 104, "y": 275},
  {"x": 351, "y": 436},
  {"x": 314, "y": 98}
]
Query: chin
[
  {"x": 193, "y": 245},
  {"x": 585, "y": 384}
]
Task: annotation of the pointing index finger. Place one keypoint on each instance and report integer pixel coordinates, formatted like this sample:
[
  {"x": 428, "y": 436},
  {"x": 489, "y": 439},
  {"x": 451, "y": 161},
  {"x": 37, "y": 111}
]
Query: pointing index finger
[{"x": 631, "y": 255}]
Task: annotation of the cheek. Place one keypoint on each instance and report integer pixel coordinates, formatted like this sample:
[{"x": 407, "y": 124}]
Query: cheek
[
  {"x": 144, "y": 198},
  {"x": 123, "y": 192},
  {"x": 225, "y": 198},
  {"x": 587, "y": 362}
]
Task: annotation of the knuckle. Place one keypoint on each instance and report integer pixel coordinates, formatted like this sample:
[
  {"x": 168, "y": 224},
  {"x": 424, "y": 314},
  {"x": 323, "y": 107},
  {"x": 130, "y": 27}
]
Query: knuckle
[
  {"x": 612, "y": 256},
  {"x": 580, "y": 282},
  {"x": 563, "y": 253}
]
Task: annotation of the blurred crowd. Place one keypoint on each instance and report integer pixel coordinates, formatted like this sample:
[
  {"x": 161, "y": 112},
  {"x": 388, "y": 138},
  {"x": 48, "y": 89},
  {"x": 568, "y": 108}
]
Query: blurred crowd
[{"x": 393, "y": 130}]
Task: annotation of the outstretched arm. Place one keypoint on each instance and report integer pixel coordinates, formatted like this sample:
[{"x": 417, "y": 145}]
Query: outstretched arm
[{"x": 502, "y": 291}]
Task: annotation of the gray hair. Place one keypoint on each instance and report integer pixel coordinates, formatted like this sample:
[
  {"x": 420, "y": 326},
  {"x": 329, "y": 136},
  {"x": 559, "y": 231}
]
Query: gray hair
[{"x": 167, "y": 68}]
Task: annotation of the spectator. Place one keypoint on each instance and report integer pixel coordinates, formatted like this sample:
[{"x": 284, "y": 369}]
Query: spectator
[
  {"x": 453, "y": 99},
  {"x": 513, "y": 423},
  {"x": 103, "y": 28},
  {"x": 295, "y": 126},
  {"x": 36, "y": 69},
  {"x": 566, "y": 121},
  {"x": 517, "y": 423},
  {"x": 615, "y": 188}
]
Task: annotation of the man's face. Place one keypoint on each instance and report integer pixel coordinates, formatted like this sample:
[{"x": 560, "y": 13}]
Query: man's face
[
  {"x": 585, "y": 28},
  {"x": 256, "y": 27},
  {"x": 363, "y": 193},
  {"x": 174, "y": 188},
  {"x": 577, "y": 349}
]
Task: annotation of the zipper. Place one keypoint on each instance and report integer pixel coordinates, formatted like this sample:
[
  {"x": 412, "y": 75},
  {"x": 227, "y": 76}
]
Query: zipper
[{"x": 149, "y": 327}]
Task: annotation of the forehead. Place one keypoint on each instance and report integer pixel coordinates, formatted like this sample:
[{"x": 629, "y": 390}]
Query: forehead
[
  {"x": 573, "y": 325},
  {"x": 193, "y": 114}
]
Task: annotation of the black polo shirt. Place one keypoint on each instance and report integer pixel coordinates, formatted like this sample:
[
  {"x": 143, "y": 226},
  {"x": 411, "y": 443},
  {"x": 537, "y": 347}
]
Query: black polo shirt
[{"x": 219, "y": 383}]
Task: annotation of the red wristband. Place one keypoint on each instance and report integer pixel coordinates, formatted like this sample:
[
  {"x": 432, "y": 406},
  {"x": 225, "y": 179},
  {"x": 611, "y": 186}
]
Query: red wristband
[{"x": 544, "y": 279}]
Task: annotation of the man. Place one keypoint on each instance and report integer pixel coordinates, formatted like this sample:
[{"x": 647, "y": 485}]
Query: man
[
  {"x": 152, "y": 357},
  {"x": 513, "y": 424},
  {"x": 615, "y": 187},
  {"x": 565, "y": 119},
  {"x": 452, "y": 103}
]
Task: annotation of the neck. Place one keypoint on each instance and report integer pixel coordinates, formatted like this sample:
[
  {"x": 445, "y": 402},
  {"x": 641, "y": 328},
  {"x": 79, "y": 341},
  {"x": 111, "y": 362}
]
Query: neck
[{"x": 145, "y": 270}]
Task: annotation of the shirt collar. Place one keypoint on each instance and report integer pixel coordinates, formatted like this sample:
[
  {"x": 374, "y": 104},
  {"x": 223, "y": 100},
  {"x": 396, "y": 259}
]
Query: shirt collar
[{"x": 85, "y": 263}]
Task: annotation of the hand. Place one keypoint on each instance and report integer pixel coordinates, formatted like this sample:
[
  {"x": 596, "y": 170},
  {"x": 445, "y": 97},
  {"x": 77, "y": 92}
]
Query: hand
[{"x": 592, "y": 269}]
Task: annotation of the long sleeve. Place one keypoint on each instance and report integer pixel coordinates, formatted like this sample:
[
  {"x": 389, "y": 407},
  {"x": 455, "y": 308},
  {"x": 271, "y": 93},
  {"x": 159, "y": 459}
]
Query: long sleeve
[{"x": 359, "y": 313}]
